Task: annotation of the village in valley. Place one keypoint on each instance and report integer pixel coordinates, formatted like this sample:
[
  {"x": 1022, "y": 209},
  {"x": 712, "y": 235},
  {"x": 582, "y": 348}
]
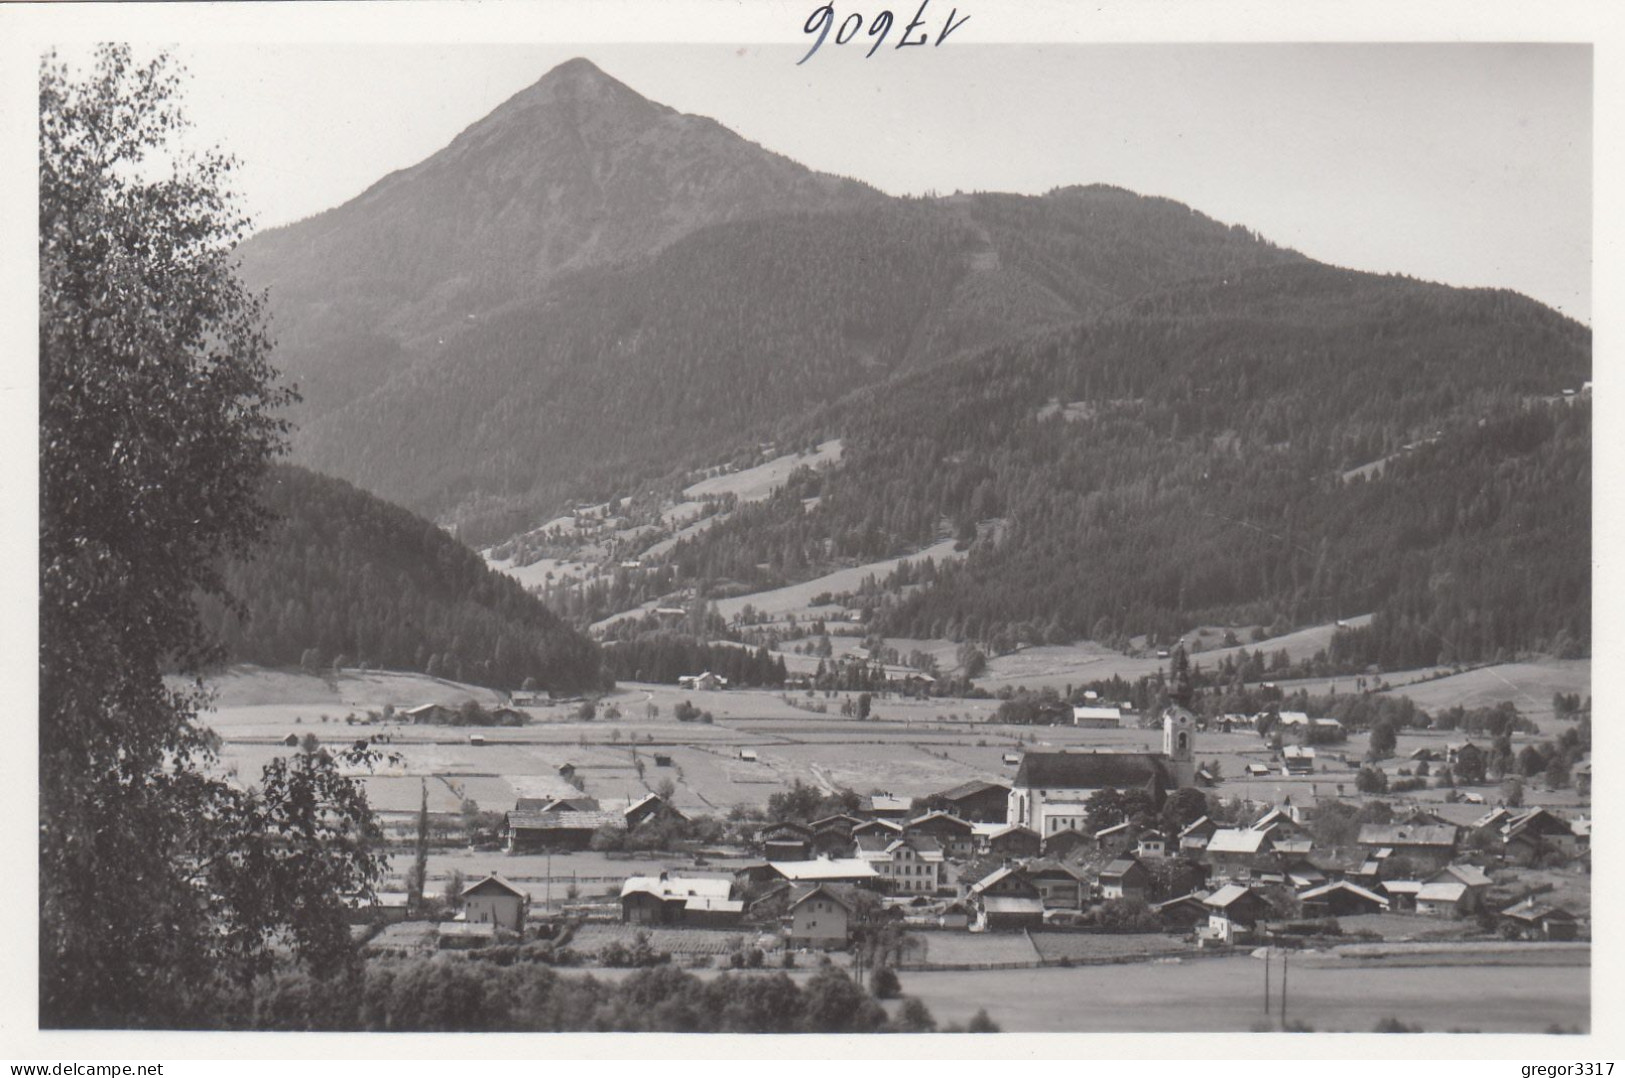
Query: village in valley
[{"x": 1103, "y": 842}]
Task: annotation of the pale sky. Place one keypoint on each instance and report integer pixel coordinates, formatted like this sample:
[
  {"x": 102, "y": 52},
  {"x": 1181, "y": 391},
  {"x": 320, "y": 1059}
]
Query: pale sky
[{"x": 1468, "y": 164}]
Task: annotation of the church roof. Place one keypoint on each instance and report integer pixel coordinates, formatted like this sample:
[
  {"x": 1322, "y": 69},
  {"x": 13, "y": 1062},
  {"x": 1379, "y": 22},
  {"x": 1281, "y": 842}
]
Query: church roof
[{"x": 1094, "y": 770}]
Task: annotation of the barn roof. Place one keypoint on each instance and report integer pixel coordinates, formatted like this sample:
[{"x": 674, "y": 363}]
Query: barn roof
[
  {"x": 1093, "y": 770},
  {"x": 971, "y": 789},
  {"x": 1372, "y": 834}
]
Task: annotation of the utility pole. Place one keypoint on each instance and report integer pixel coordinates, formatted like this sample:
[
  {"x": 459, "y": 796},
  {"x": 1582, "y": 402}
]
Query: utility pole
[
  {"x": 1266, "y": 980},
  {"x": 1286, "y": 959}
]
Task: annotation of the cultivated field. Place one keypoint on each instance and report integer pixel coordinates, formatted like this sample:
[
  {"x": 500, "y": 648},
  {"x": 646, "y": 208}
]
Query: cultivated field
[
  {"x": 909, "y": 747},
  {"x": 1156, "y": 997}
]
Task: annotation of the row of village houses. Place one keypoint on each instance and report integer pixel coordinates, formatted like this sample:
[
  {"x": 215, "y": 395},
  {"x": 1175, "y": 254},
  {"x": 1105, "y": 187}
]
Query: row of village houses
[
  {"x": 1225, "y": 881},
  {"x": 962, "y": 867}
]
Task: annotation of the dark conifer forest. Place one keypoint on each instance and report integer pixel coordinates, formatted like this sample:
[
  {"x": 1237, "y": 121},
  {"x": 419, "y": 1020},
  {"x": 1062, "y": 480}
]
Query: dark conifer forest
[{"x": 344, "y": 578}]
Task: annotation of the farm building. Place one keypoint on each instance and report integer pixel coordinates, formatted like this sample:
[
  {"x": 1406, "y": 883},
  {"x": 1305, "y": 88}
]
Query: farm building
[
  {"x": 832, "y": 836},
  {"x": 650, "y": 807},
  {"x": 1534, "y": 833},
  {"x": 1064, "y": 844},
  {"x": 706, "y": 682},
  {"x": 579, "y": 803},
  {"x": 825, "y": 870},
  {"x": 1297, "y": 760},
  {"x": 434, "y": 713},
  {"x": 1401, "y": 894},
  {"x": 786, "y": 841},
  {"x": 956, "y": 836},
  {"x": 1152, "y": 844},
  {"x": 1184, "y": 912},
  {"x": 1428, "y": 847},
  {"x": 495, "y": 901},
  {"x": 1235, "y": 851},
  {"x": 1456, "y": 891},
  {"x": 748, "y": 755},
  {"x": 1011, "y": 913},
  {"x": 1094, "y": 717},
  {"x": 979, "y": 801},
  {"x": 885, "y": 806},
  {"x": 1013, "y": 840},
  {"x": 538, "y": 832},
  {"x": 1060, "y": 886},
  {"x": 1195, "y": 835},
  {"x": 1114, "y": 839},
  {"x": 1233, "y": 912},
  {"x": 1341, "y": 899},
  {"x": 678, "y": 900},
  {"x": 821, "y": 915},
  {"x": 1536, "y": 920},
  {"x": 1125, "y": 878}
]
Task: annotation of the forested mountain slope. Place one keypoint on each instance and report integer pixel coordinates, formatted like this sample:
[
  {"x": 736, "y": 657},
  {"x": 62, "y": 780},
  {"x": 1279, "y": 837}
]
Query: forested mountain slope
[
  {"x": 1180, "y": 460},
  {"x": 344, "y": 574},
  {"x": 586, "y": 284}
]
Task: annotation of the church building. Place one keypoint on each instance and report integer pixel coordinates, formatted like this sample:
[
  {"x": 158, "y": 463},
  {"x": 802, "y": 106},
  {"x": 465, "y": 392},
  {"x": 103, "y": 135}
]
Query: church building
[{"x": 1051, "y": 788}]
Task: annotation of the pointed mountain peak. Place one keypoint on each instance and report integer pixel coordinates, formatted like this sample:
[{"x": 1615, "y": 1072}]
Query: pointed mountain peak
[{"x": 579, "y": 80}]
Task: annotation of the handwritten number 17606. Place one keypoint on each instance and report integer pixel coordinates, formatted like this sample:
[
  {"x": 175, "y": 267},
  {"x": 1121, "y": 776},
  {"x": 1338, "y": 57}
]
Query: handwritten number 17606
[{"x": 822, "y": 20}]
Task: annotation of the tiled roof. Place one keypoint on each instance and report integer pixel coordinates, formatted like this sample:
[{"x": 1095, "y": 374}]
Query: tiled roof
[
  {"x": 1093, "y": 770},
  {"x": 1372, "y": 834},
  {"x": 563, "y": 821}
]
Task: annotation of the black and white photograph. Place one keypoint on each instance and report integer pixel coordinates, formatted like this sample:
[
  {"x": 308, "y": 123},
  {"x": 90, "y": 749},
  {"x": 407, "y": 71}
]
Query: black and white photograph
[{"x": 893, "y": 526}]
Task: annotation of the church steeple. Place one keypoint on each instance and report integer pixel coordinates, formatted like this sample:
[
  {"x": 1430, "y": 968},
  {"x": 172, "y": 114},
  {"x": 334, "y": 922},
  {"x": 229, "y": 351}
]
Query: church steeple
[{"x": 1179, "y": 743}]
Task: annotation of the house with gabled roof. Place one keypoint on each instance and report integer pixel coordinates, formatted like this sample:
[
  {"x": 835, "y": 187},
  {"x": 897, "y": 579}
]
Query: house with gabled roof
[
  {"x": 495, "y": 901},
  {"x": 1452, "y": 893},
  {"x": 1185, "y": 912},
  {"x": 1066, "y": 844},
  {"x": 1234, "y": 910},
  {"x": 650, "y": 807},
  {"x": 885, "y": 806},
  {"x": 1428, "y": 847},
  {"x": 822, "y": 915},
  {"x": 1193, "y": 837},
  {"x": 564, "y": 830},
  {"x": 825, "y": 870},
  {"x": 979, "y": 801},
  {"x": 685, "y": 900},
  {"x": 1540, "y": 920},
  {"x": 1340, "y": 898},
  {"x": 1060, "y": 885},
  {"x": 956, "y": 836},
  {"x": 1125, "y": 878},
  {"x": 786, "y": 840},
  {"x": 1236, "y": 851},
  {"x": 1013, "y": 840}
]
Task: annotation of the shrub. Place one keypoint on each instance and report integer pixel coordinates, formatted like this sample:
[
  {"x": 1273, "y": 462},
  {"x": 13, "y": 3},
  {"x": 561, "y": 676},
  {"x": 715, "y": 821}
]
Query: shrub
[
  {"x": 1391, "y": 1024},
  {"x": 915, "y": 1017},
  {"x": 884, "y": 984}
]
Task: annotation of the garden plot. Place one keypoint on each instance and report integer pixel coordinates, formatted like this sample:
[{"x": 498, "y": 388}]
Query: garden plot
[
  {"x": 715, "y": 942},
  {"x": 969, "y": 948},
  {"x": 1086, "y": 946}
]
